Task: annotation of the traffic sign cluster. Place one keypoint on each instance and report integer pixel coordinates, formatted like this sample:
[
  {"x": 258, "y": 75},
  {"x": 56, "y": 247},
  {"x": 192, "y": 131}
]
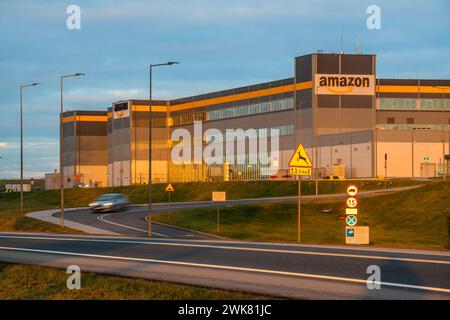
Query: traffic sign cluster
[
  {"x": 353, "y": 234},
  {"x": 351, "y": 211}
]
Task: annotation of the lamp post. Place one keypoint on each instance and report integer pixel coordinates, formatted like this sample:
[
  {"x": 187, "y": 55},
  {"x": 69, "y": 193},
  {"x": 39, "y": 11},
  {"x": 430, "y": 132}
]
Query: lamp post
[
  {"x": 443, "y": 131},
  {"x": 61, "y": 136},
  {"x": 315, "y": 138},
  {"x": 21, "y": 143},
  {"x": 149, "y": 210}
]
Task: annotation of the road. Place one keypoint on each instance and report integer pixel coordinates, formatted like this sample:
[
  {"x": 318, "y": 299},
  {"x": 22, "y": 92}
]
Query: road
[
  {"x": 132, "y": 221},
  {"x": 282, "y": 270}
]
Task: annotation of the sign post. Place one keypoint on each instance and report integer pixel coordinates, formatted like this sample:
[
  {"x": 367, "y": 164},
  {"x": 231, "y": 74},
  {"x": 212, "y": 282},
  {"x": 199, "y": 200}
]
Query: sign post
[
  {"x": 300, "y": 165},
  {"x": 219, "y": 196},
  {"x": 354, "y": 234},
  {"x": 385, "y": 171},
  {"x": 169, "y": 189}
]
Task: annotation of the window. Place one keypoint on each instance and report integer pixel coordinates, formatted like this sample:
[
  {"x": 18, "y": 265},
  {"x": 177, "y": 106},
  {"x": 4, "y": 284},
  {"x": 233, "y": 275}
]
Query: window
[
  {"x": 231, "y": 112},
  {"x": 410, "y": 120},
  {"x": 390, "y": 120}
]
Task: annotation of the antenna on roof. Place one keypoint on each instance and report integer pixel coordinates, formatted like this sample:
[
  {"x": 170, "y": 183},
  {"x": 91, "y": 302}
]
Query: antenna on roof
[{"x": 342, "y": 38}]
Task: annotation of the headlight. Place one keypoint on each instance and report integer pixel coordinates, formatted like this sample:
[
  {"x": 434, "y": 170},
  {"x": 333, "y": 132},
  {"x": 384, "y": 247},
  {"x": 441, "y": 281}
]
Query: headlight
[
  {"x": 93, "y": 204},
  {"x": 108, "y": 204}
]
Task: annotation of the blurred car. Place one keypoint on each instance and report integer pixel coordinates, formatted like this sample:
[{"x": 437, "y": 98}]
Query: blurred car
[{"x": 110, "y": 202}]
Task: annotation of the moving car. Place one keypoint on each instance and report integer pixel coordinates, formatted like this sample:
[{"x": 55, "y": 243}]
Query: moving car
[{"x": 110, "y": 202}]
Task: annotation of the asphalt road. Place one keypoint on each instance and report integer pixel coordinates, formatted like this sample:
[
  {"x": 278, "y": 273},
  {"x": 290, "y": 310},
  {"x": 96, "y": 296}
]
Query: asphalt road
[
  {"x": 284, "y": 270},
  {"x": 132, "y": 221}
]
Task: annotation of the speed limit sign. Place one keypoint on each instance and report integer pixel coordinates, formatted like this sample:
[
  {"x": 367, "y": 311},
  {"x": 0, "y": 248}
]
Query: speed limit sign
[{"x": 352, "y": 202}]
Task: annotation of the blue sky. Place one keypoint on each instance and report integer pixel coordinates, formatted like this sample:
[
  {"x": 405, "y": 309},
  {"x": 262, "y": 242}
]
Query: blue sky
[{"x": 220, "y": 44}]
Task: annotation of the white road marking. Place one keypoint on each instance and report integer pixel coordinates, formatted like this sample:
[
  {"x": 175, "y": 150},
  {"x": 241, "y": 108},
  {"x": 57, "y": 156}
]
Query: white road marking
[
  {"x": 344, "y": 255},
  {"x": 214, "y": 266},
  {"x": 101, "y": 219}
]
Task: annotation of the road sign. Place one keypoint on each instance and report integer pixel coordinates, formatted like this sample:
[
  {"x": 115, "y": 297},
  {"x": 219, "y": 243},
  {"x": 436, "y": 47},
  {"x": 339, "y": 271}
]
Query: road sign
[
  {"x": 352, "y": 202},
  {"x": 352, "y": 191},
  {"x": 219, "y": 196},
  {"x": 350, "y": 232},
  {"x": 298, "y": 171},
  {"x": 357, "y": 235},
  {"x": 300, "y": 158},
  {"x": 352, "y": 211},
  {"x": 300, "y": 165},
  {"x": 351, "y": 220},
  {"x": 426, "y": 158},
  {"x": 169, "y": 188}
]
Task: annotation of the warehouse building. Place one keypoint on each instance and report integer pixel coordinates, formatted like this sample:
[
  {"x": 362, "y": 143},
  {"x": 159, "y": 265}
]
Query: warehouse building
[
  {"x": 351, "y": 123},
  {"x": 85, "y": 148}
]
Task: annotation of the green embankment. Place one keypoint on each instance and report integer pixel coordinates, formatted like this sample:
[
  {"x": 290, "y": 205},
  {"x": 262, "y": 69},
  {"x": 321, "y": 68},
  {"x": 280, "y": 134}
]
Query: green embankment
[
  {"x": 418, "y": 218},
  {"x": 43, "y": 283},
  {"x": 12, "y": 220}
]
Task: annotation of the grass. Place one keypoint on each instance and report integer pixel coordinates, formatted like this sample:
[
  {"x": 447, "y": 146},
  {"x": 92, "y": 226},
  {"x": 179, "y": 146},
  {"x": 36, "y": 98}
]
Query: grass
[
  {"x": 12, "y": 220},
  {"x": 418, "y": 218},
  {"x": 37, "y": 282}
]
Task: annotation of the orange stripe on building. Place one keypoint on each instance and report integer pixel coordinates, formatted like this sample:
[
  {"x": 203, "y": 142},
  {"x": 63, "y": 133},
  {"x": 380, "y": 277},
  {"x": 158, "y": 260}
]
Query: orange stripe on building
[
  {"x": 85, "y": 118},
  {"x": 243, "y": 96},
  {"x": 411, "y": 89},
  {"x": 145, "y": 108}
]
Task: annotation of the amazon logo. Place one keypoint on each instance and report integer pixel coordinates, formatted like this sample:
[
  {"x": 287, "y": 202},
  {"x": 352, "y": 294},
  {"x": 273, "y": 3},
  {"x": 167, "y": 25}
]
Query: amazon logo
[
  {"x": 344, "y": 84},
  {"x": 120, "y": 109}
]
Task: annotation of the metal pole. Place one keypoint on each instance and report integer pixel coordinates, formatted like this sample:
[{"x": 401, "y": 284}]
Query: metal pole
[
  {"x": 21, "y": 155},
  {"x": 317, "y": 168},
  {"x": 61, "y": 136},
  {"x": 443, "y": 156},
  {"x": 385, "y": 171},
  {"x": 149, "y": 212},
  {"x": 443, "y": 135},
  {"x": 218, "y": 219},
  {"x": 412, "y": 151},
  {"x": 299, "y": 207},
  {"x": 21, "y": 141}
]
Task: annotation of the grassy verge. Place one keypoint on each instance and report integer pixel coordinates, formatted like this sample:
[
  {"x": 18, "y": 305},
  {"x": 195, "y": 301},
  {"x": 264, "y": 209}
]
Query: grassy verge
[
  {"x": 416, "y": 218},
  {"x": 37, "y": 282},
  {"x": 12, "y": 220}
]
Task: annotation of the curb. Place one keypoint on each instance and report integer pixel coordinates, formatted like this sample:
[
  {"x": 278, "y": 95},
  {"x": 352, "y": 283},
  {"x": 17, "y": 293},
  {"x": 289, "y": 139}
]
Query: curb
[{"x": 47, "y": 216}]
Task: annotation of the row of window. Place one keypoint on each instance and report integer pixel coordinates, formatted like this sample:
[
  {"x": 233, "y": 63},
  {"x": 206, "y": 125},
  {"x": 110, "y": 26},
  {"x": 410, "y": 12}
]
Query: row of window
[
  {"x": 284, "y": 130},
  {"x": 414, "y": 104},
  {"x": 389, "y": 126},
  {"x": 233, "y": 112}
]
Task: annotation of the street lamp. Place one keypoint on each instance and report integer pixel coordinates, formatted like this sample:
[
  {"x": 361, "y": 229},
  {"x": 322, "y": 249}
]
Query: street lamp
[
  {"x": 21, "y": 143},
  {"x": 443, "y": 131},
  {"x": 61, "y": 135},
  {"x": 149, "y": 213}
]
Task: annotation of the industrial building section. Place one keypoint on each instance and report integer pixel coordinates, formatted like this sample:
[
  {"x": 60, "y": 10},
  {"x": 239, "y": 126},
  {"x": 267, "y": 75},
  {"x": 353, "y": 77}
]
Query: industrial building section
[{"x": 352, "y": 124}]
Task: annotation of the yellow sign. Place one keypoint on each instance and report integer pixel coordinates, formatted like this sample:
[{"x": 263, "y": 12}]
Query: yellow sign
[
  {"x": 298, "y": 171},
  {"x": 300, "y": 158},
  {"x": 352, "y": 211},
  {"x": 219, "y": 196},
  {"x": 169, "y": 188}
]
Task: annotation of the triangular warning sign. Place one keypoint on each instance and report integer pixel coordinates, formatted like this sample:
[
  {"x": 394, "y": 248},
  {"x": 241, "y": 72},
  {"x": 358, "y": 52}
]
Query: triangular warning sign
[
  {"x": 300, "y": 158},
  {"x": 169, "y": 188}
]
